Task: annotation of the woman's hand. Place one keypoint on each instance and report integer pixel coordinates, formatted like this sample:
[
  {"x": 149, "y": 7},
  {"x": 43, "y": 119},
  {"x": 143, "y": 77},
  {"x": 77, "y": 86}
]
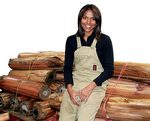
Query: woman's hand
[
  {"x": 74, "y": 96},
  {"x": 86, "y": 92}
]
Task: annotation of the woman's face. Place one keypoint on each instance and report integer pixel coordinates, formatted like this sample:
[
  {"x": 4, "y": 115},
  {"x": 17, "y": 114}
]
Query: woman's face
[{"x": 88, "y": 22}]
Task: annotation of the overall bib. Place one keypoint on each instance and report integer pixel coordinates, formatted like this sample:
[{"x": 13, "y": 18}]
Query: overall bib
[{"x": 87, "y": 67}]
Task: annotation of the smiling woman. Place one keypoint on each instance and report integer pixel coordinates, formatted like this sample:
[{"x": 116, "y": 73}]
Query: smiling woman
[{"x": 88, "y": 64}]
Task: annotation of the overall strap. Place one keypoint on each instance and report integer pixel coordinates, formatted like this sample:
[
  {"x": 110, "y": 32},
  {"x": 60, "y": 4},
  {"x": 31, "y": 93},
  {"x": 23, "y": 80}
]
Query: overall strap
[
  {"x": 94, "y": 43},
  {"x": 78, "y": 42}
]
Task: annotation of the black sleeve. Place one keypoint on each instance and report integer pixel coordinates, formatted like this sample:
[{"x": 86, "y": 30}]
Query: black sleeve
[
  {"x": 69, "y": 57},
  {"x": 105, "y": 54}
]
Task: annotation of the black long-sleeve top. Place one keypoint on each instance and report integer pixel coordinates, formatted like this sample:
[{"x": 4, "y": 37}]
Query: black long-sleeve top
[{"x": 104, "y": 51}]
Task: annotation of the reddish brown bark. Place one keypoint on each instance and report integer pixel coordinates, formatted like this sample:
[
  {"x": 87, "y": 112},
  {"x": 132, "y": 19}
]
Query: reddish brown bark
[
  {"x": 42, "y": 110},
  {"x": 128, "y": 88},
  {"x": 136, "y": 71},
  {"x": 42, "y": 54},
  {"x": 42, "y": 76},
  {"x": 35, "y": 63},
  {"x": 22, "y": 87}
]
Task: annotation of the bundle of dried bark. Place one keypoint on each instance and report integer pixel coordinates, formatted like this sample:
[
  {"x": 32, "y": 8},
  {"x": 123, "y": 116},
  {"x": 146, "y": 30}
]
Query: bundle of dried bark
[
  {"x": 23, "y": 87},
  {"x": 55, "y": 100},
  {"x": 32, "y": 63},
  {"x": 136, "y": 71},
  {"x": 42, "y": 110},
  {"x": 5, "y": 100},
  {"x": 128, "y": 88},
  {"x": 42, "y": 54},
  {"x": 126, "y": 100},
  {"x": 15, "y": 102},
  {"x": 42, "y": 76},
  {"x": 125, "y": 109}
]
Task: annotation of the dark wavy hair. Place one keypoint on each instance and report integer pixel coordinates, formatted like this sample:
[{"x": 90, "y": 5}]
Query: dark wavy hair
[{"x": 97, "y": 17}]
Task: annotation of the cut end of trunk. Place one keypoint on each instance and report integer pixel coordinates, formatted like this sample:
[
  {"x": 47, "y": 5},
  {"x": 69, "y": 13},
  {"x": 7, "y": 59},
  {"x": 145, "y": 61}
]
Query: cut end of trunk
[{"x": 44, "y": 93}]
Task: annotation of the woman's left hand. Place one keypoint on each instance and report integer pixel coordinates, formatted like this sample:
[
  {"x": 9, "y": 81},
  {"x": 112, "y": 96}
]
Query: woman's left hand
[{"x": 86, "y": 92}]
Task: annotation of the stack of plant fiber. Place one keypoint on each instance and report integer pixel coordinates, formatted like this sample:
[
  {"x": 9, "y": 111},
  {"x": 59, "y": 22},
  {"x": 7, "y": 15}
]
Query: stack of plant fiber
[
  {"x": 36, "y": 76},
  {"x": 128, "y": 93}
]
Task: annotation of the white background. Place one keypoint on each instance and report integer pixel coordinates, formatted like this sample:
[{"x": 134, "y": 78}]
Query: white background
[{"x": 44, "y": 25}]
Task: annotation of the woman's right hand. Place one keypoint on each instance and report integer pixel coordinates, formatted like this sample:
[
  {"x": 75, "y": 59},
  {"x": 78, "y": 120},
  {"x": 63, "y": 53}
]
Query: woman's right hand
[{"x": 74, "y": 96}]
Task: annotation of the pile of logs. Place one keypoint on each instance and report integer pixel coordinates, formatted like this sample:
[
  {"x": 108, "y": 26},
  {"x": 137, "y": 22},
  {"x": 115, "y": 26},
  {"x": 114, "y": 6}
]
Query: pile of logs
[
  {"x": 128, "y": 93},
  {"x": 33, "y": 78},
  {"x": 35, "y": 87}
]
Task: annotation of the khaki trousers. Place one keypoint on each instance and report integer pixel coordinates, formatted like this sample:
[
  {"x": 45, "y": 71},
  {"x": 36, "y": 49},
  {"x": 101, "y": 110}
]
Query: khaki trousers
[{"x": 86, "y": 111}]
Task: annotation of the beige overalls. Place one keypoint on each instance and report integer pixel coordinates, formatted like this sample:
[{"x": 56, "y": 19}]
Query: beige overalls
[{"x": 87, "y": 68}]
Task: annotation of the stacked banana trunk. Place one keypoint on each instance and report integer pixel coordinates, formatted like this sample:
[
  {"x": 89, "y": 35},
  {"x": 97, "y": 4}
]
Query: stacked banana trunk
[
  {"x": 36, "y": 86},
  {"x": 33, "y": 78},
  {"x": 128, "y": 93}
]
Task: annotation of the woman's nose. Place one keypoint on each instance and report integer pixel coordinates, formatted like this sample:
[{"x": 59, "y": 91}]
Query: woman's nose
[{"x": 88, "y": 20}]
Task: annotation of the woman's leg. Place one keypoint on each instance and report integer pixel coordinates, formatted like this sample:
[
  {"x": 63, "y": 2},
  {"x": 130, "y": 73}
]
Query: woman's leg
[
  {"x": 88, "y": 110},
  {"x": 68, "y": 110}
]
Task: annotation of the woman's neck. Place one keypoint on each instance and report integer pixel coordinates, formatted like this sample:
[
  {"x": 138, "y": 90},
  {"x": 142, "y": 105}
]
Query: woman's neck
[{"x": 86, "y": 36}]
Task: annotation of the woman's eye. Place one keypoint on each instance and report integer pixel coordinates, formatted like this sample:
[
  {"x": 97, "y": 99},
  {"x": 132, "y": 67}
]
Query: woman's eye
[
  {"x": 84, "y": 17},
  {"x": 92, "y": 18}
]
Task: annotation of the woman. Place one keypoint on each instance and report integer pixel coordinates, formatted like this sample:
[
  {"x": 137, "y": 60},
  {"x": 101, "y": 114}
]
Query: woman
[{"x": 89, "y": 63}]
